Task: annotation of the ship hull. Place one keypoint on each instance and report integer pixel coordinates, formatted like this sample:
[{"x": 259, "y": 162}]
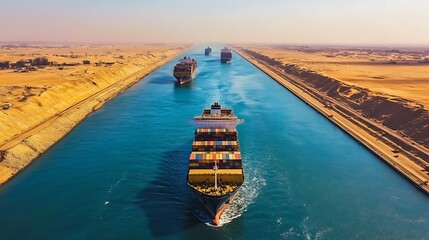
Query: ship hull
[
  {"x": 185, "y": 79},
  {"x": 207, "y": 51},
  {"x": 215, "y": 205},
  {"x": 225, "y": 60}
]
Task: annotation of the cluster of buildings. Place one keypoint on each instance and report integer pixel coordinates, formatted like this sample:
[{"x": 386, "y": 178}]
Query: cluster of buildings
[
  {"x": 41, "y": 62},
  {"x": 26, "y": 65}
]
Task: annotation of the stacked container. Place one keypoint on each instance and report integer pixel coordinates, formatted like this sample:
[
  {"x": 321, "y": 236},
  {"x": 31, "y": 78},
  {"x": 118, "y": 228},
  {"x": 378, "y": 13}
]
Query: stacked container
[{"x": 215, "y": 145}]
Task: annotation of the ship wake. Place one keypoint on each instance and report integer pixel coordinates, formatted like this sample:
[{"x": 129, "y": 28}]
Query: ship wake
[{"x": 246, "y": 195}]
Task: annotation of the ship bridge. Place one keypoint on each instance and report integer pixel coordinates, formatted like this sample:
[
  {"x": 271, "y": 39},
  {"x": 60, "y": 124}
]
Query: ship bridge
[{"x": 216, "y": 117}]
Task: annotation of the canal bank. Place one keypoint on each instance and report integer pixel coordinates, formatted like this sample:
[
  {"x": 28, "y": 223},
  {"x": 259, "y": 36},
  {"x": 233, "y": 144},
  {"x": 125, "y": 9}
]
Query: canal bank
[
  {"x": 121, "y": 173},
  {"x": 24, "y": 147},
  {"x": 385, "y": 150}
]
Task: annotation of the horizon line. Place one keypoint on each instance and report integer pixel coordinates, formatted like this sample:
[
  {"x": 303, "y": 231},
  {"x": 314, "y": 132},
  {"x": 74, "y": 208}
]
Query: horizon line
[{"x": 290, "y": 44}]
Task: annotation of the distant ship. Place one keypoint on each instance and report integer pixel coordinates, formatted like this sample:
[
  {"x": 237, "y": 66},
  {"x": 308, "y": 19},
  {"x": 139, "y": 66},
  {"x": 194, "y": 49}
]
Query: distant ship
[
  {"x": 215, "y": 170},
  {"x": 225, "y": 55},
  {"x": 184, "y": 71},
  {"x": 207, "y": 51}
]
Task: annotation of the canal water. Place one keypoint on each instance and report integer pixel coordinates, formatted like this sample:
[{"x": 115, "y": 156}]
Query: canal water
[{"x": 120, "y": 174}]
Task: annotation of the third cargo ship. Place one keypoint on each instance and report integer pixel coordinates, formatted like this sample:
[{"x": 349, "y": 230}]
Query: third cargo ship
[
  {"x": 215, "y": 166},
  {"x": 184, "y": 71},
  {"x": 225, "y": 55},
  {"x": 207, "y": 51}
]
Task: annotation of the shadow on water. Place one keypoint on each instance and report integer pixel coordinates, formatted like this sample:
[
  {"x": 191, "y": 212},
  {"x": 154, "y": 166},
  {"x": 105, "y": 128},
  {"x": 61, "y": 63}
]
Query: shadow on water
[
  {"x": 163, "y": 80},
  {"x": 212, "y": 60},
  {"x": 167, "y": 201},
  {"x": 202, "y": 74}
]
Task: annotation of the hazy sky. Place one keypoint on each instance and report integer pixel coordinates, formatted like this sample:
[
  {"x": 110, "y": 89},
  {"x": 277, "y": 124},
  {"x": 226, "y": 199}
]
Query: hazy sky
[{"x": 270, "y": 21}]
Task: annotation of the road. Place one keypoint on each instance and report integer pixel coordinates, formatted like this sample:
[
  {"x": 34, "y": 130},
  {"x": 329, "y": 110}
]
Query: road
[{"x": 400, "y": 161}]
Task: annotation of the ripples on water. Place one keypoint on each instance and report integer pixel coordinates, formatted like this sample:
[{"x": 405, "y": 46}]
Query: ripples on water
[
  {"x": 248, "y": 192},
  {"x": 244, "y": 197},
  {"x": 121, "y": 174}
]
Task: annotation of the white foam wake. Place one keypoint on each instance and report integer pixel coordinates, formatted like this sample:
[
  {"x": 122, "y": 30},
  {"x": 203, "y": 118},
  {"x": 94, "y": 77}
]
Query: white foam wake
[{"x": 244, "y": 198}]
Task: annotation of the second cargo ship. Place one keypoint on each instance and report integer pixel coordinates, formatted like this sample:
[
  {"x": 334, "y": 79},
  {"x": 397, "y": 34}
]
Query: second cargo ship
[
  {"x": 184, "y": 71},
  {"x": 215, "y": 170},
  {"x": 225, "y": 55}
]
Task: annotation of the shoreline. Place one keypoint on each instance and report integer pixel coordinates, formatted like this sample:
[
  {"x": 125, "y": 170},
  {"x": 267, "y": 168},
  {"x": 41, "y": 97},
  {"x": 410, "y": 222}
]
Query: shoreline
[
  {"x": 400, "y": 162},
  {"x": 24, "y": 148}
]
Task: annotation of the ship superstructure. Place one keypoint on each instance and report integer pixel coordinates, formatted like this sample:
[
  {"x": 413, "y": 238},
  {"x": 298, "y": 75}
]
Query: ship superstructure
[{"x": 215, "y": 166}]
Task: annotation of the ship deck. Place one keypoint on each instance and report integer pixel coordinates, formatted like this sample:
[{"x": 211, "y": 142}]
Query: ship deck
[
  {"x": 219, "y": 171},
  {"x": 223, "y": 113},
  {"x": 222, "y": 189},
  {"x": 215, "y": 117},
  {"x": 208, "y": 188}
]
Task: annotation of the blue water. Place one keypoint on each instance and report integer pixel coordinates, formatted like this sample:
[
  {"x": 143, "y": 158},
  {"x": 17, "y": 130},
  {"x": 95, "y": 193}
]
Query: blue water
[{"x": 120, "y": 174}]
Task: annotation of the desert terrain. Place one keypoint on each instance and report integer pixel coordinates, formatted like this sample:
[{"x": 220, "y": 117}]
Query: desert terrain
[
  {"x": 393, "y": 72},
  {"x": 41, "y": 104},
  {"x": 378, "y": 96}
]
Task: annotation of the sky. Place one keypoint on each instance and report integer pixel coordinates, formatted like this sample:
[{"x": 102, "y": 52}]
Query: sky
[{"x": 349, "y": 22}]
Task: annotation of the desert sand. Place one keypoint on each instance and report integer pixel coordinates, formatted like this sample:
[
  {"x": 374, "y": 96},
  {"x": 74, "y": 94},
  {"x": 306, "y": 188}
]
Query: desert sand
[
  {"x": 49, "y": 102},
  {"x": 386, "y": 116},
  {"x": 389, "y": 72}
]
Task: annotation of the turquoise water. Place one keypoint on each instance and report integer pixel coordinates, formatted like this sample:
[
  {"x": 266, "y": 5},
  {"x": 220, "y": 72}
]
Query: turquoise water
[{"x": 121, "y": 173}]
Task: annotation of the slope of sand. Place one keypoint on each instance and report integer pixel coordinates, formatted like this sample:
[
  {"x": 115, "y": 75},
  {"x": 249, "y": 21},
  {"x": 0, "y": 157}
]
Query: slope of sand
[
  {"x": 366, "y": 68},
  {"x": 49, "y": 102},
  {"x": 364, "y": 114},
  {"x": 386, "y": 93}
]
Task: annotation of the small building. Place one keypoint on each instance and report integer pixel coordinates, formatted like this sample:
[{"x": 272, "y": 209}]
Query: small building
[
  {"x": 4, "y": 65},
  {"x": 71, "y": 64},
  {"x": 86, "y": 62}
]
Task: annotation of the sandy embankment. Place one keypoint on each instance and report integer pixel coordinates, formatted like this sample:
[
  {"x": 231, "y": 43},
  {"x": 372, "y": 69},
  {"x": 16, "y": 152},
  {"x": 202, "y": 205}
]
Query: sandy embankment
[
  {"x": 365, "y": 115},
  {"x": 48, "y": 103}
]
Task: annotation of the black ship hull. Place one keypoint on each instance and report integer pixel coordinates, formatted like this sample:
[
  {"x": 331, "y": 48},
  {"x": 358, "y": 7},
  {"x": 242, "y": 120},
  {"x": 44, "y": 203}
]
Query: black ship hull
[
  {"x": 207, "y": 51},
  {"x": 184, "y": 79},
  {"x": 225, "y": 60},
  {"x": 215, "y": 205}
]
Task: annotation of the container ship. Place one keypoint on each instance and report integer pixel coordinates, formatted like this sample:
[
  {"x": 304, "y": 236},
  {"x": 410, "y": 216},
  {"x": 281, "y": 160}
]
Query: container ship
[
  {"x": 207, "y": 51},
  {"x": 225, "y": 55},
  {"x": 215, "y": 170},
  {"x": 184, "y": 71}
]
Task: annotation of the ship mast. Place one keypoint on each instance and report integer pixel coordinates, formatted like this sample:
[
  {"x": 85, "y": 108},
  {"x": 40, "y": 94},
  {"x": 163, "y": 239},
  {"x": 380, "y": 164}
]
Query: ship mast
[{"x": 215, "y": 168}]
